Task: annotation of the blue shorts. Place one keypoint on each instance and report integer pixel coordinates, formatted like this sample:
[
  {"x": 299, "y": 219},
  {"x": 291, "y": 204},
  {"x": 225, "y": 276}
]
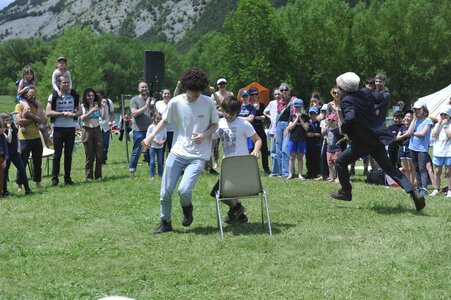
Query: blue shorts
[
  {"x": 441, "y": 161},
  {"x": 404, "y": 153},
  {"x": 296, "y": 147}
]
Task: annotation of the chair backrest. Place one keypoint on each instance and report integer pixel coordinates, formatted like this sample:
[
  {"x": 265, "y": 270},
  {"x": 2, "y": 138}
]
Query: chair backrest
[
  {"x": 239, "y": 177},
  {"x": 45, "y": 150}
]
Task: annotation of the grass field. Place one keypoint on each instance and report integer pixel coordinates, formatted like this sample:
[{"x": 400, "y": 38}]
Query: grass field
[{"x": 93, "y": 239}]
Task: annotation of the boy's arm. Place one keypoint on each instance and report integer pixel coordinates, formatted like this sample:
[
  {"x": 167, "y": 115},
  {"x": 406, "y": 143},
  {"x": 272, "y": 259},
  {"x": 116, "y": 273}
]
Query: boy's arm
[{"x": 257, "y": 145}]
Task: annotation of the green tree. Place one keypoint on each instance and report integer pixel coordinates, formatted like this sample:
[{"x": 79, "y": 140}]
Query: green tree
[
  {"x": 409, "y": 41},
  {"x": 255, "y": 47},
  {"x": 319, "y": 35}
]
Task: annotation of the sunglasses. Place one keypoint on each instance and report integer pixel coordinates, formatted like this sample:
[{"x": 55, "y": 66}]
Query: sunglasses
[{"x": 284, "y": 90}]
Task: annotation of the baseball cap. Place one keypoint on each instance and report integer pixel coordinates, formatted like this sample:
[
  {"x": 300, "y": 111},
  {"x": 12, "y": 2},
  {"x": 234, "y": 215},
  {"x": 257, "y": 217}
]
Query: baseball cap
[
  {"x": 446, "y": 110},
  {"x": 298, "y": 102},
  {"x": 324, "y": 107},
  {"x": 253, "y": 90},
  {"x": 313, "y": 110},
  {"x": 244, "y": 93},
  {"x": 61, "y": 58},
  {"x": 332, "y": 117},
  {"x": 417, "y": 105}
]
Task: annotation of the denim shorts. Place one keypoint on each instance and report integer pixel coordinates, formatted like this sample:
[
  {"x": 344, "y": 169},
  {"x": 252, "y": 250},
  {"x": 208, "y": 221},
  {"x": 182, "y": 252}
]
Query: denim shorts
[
  {"x": 441, "y": 161},
  {"x": 404, "y": 152}
]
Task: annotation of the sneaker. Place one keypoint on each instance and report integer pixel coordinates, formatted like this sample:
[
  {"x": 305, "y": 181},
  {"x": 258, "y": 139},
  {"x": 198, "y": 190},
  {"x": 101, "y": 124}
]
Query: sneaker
[
  {"x": 28, "y": 192},
  {"x": 132, "y": 174},
  {"x": 423, "y": 192},
  {"x": 163, "y": 227},
  {"x": 434, "y": 193},
  {"x": 69, "y": 182},
  {"x": 234, "y": 213},
  {"x": 448, "y": 195},
  {"x": 19, "y": 187},
  {"x": 213, "y": 172},
  {"x": 243, "y": 219},
  {"x": 341, "y": 195},
  {"x": 418, "y": 199},
  {"x": 187, "y": 215}
]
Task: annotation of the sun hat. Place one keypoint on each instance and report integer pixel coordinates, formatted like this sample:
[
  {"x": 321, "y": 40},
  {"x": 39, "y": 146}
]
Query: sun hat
[{"x": 221, "y": 79}]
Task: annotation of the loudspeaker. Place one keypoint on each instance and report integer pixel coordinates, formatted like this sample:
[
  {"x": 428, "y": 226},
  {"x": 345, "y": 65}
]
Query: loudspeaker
[{"x": 153, "y": 66}]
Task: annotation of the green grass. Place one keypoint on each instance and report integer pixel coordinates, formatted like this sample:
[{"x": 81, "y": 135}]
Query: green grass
[{"x": 92, "y": 239}]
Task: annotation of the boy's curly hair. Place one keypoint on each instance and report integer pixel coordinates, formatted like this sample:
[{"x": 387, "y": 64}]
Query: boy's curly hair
[{"x": 194, "y": 79}]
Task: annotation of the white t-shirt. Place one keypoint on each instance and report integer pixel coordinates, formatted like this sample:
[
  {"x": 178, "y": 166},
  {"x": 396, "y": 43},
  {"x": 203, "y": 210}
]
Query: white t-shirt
[
  {"x": 188, "y": 118},
  {"x": 442, "y": 144},
  {"x": 104, "y": 122},
  {"x": 161, "y": 107},
  {"x": 234, "y": 136},
  {"x": 272, "y": 109},
  {"x": 161, "y": 136}
]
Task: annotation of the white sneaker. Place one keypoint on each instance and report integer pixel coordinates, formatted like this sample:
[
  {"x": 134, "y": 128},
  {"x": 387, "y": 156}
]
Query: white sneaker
[
  {"x": 448, "y": 195},
  {"x": 434, "y": 193}
]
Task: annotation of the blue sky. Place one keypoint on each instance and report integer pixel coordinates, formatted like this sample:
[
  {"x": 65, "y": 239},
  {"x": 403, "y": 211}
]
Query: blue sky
[{"x": 4, "y": 3}]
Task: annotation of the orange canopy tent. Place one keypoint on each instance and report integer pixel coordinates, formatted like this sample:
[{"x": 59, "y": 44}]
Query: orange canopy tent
[{"x": 263, "y": 92}]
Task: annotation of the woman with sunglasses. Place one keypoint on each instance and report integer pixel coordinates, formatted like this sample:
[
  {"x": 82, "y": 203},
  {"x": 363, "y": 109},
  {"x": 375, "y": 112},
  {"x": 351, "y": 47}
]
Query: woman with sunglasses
[{"x": 257, "y": 123}]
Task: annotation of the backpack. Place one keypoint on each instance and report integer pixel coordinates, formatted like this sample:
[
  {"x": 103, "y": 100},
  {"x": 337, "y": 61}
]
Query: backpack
[{"x": 376, "y": 176}]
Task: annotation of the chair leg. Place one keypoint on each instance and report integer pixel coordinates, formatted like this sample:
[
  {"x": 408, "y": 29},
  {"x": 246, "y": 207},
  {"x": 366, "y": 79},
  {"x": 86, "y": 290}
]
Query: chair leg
[
  {"x": 218, "y": 211},
  {"x": 261, "y": 209},
  {"x": 267, "y": 214}
]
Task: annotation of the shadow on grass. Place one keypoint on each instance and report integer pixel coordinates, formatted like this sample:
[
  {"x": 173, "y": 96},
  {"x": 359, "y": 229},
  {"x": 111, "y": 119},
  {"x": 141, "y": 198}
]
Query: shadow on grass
[
  {"x": 242, "y": 229},
  {"x": 384, "y": 210}
]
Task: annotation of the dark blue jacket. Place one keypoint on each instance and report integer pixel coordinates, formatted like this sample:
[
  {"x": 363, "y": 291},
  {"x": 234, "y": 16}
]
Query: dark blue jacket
[{"x": 361, "y": 123}]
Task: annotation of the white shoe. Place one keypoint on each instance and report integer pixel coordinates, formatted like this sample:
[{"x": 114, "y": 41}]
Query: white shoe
[
  {"x": 448, "y": 195},
  {"x": 434, "y": 193}
]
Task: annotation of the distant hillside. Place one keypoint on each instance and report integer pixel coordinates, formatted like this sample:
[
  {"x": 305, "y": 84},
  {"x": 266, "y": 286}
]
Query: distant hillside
[{"x": 149, "y": 19}]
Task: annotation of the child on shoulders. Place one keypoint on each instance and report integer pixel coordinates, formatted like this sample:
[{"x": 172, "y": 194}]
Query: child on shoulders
[{"x": 61, "y": 70}]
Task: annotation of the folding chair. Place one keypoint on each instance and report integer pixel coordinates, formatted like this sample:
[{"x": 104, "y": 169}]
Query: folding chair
[
  {"x": 46, "y": 153},
  {"x": 240, "y": 179}
]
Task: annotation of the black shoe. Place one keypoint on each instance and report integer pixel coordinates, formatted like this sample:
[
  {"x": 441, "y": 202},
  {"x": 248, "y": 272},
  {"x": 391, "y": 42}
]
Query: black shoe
[
  {"x": 5, "y": 193},
  {"x": 234, "y": 213},
  {"x": 418, "y": 199},
  {"x": 243, "y": 219},
  {"x": 28, "y": 192},
  {"x": 187, "y": 215},
  {"x": 163, "y": 227},
  {"x": 69, "y": 182},
  {"x": 365, "y": 172},
  {"x": 341, "y": 195},
  {"x": 214, "y": 172},
  {"x": 55, "y": 182}
]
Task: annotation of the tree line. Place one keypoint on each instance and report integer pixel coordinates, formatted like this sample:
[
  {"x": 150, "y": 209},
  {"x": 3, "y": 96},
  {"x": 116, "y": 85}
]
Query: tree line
[{"x": 306, "y": 43}]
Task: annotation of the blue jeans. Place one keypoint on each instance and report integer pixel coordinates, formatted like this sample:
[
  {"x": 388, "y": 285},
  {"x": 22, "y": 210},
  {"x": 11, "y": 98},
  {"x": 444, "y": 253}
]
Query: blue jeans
[
  {"x": 159, "y": 153},
  {"x": 138, "y": 136},
  {"x": 282, "y": 153},
  {"x": 175, "y": 165},
  {"x": 272, "y": 150},
  {"x": 106, "y": 144}
]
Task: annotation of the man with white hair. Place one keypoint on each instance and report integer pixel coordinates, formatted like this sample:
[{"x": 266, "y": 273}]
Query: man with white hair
[{"x": 359, "y": 121}]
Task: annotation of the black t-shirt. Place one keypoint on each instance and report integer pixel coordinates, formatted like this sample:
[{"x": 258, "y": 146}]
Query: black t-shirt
[
  {"x": 259, "y": 112},
  {"x": 314, "y": 126},
  {"x": 298, "y": 134},
  {"x": 394, "y": 128}
]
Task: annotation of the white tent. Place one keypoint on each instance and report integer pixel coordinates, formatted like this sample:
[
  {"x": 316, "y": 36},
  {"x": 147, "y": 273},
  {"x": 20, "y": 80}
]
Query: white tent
[{"x": 437, "y": 101}]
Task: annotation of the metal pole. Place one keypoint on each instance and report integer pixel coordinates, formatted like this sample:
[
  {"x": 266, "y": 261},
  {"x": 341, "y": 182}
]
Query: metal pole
[{"x": 124, "y": 126}]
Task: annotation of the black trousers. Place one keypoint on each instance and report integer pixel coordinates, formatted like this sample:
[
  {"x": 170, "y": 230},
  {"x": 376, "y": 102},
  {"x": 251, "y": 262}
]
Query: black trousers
[
  {"x": 34, "y": 147},
  {"x": 16, "y": 159},
  {"x": 380, "y": 155},
  {"x": 63, "y": 138},
  {"x": 264, "y": 150},
  {"x": 313, "y": 158}
]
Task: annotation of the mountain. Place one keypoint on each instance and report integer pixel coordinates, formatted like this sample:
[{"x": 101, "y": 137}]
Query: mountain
[{"x": 150, "y": 19}]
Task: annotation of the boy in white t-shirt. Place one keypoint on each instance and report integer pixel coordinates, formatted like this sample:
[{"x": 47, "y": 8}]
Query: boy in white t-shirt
[
  {"x": 195, "y": 119},
  {"x": 233, "y": 133}
]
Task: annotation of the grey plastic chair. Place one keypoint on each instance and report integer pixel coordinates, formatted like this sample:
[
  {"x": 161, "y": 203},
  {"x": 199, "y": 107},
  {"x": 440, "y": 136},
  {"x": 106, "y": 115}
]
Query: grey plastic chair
[{"x": 240, "y": 179}]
